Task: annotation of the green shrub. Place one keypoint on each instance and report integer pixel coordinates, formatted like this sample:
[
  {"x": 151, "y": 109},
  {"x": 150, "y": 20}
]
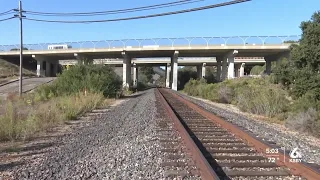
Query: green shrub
[
  {"x": 306, "y": 82},
  {"x": 268, "y": 101},
  {"x": 257, "y": 70},
  {"x": 225, "y": 94},
  {"x": 254, "y": 95},
  {"x": 93, "y": 78},
  {"x": 210, "y": 92},
  {"x": 195, "y": 87}
]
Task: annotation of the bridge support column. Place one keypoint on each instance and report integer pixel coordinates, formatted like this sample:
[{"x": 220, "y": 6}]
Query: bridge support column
[
  {"x": 55, "y": 68},
  {"x": 40, "y": 68},
  {"x": 48, "y": 68},
  {"x": 237, "y": 70},
  {"x": 203, "y": 74},
  {"x": 126, "y": 75},
  {"x": 174, "y": 65},
  {"x": 224, "y": 69},
  {"x": 199, "y": 71},
  {"x": 135, "y": 75},
  {"x": 268, "y": 67},
  {"x": 230, "y": 58},
  {"x": 218, "y": 75},
  {"x": 242, "y": 69},
  {"x": 168, "y": 74}
]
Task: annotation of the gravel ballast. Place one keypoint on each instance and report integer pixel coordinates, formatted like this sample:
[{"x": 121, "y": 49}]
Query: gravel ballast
[
  {"x": 264, "y": 130},
  {"x": 119, "y": 145}
]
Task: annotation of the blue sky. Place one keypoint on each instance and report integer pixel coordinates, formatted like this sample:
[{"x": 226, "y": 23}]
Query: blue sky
[{"x": 258, "y": 17}]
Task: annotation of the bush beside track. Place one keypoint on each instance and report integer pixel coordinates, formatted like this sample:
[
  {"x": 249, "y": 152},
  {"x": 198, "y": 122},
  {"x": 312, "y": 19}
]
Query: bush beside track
[
  {"x": 76, "y": 91},
  {"x": 261, "y": 96},
  {"x": 292, "y": 92}
]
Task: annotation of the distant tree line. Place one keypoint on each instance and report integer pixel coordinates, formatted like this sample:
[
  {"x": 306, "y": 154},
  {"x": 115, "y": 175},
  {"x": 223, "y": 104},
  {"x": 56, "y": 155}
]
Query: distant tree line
[{"x": 18, "y": 49}]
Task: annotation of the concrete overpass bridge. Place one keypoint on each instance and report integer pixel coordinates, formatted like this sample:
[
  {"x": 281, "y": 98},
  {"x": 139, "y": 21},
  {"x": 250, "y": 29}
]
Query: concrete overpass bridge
[
  {"x": 183, "y": 61},
  {"x": 227, "y": 52}
]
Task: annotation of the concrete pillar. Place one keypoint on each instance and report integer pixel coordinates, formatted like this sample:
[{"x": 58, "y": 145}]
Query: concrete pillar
[
  {"x": 48, "y": 68},
  {"x": 126, "y": 75},
  {"x": 237, "y": 70},
  {"x": 39, "y": 68},
  {"x": 135, "y": 75},
  {"x": 268, "y": 67},
  {"x": 199, "y": 71},
  {"x": 40, "y": 59},
  {"x": 242, "y": 69},
  {"x": 174, "y": 65},
  {"x": 224, "y": 69},
  {"x": 230, "y": 58},
  {"x": 203, "y": 75},
  {"x": 168, "y": 74},
  {"x": 218, "y": 75},
  {"x": 55, "y": 68}
]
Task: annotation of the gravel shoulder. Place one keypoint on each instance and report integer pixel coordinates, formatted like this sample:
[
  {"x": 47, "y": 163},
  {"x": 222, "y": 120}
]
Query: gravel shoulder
[
  {"x": 309, "y": 146},
  {"x": 120, "y": 143}
]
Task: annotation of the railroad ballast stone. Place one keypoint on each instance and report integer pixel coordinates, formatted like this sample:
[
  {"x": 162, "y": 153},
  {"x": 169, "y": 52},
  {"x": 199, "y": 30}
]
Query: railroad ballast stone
[
  {"x": 119, "y": 145},
  {"x": 263, "y": 130}
]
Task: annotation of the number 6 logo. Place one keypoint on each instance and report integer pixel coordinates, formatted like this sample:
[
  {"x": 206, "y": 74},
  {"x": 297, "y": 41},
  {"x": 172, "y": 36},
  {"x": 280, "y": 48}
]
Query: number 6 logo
[{"x": 294, "y": 154}]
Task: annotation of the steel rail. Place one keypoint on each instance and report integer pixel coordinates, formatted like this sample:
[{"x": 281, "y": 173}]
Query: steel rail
[
  {"x": 206, "y": 170},
  {"x": 298, "y": 169}
]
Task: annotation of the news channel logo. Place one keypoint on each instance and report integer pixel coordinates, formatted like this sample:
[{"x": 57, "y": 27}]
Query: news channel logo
[{"x": 295, "y": 155}]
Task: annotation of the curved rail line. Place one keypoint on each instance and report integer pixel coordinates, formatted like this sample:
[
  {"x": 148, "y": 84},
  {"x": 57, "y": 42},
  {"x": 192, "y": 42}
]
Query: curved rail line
[{"x": 232, "y": 153}]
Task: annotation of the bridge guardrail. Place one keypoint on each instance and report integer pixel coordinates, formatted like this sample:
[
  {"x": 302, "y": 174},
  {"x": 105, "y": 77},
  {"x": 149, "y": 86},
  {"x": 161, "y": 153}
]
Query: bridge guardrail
[{"x": 158, "y": 42}]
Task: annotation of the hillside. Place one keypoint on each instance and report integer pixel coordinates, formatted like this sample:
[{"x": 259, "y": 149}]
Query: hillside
[
  {"x": 158, "y": 72},
  {"x": 11, "y": 71}
]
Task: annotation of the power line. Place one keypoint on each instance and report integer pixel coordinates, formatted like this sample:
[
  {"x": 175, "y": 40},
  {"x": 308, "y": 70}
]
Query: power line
[
  {"x": 120, "y": 11},
  {"x": 6, "y": 19},
  {"x": 7, "y": 12},
  {"x": 147, "y": 16},
  {"x": 111, "y": 11}
]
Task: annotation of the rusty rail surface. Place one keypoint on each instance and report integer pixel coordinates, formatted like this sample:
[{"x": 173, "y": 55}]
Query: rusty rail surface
[
  {"x": 206, "y": 170},
  {"x": 297, "y": 169}
]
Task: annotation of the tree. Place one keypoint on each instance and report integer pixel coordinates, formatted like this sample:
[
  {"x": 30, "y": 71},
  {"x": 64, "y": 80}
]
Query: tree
[
  {"x": 301, "y": 75},
  {"x": 185, "y": 74},
  {"x": 17, "y": 49},
  {"x": 148, "y": 72},
  {"x": 290, "y": 41},
  {"x": 307, "y": 54}
]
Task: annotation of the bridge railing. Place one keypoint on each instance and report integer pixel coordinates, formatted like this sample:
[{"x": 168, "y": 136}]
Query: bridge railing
[{"x": 164, "y": 42}]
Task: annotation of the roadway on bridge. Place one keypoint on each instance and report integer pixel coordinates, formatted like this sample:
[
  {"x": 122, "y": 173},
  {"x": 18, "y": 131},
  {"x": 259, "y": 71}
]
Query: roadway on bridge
[{"x": 27, "y": 85}]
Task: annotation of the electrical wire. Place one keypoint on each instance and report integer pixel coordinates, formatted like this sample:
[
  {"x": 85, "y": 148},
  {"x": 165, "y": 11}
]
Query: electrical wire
[
  {"x": 6, "y": 19},
  {"x": 7, "y": 12},
  {"x": 119, "y": 11},
  {"x": 114, "y": 11},
  {"x": 147, "y": 16}
]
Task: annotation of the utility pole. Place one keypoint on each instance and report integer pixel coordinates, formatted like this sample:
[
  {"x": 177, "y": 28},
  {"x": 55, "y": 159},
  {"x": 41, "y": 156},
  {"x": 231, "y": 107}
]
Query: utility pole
[{"x": 21, "y": 45}]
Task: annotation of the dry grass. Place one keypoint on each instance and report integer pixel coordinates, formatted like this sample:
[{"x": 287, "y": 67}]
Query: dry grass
[
  {"x": 22, "y": 118},
  {"x": 306, "y": 121}
]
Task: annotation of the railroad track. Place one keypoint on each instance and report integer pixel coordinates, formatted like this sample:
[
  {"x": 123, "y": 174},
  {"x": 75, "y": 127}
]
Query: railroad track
[{"x": 221, "y": 150}]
